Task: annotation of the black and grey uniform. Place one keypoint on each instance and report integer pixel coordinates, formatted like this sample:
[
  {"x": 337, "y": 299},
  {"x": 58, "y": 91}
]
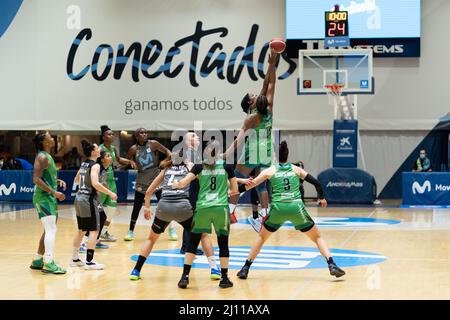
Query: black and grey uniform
[
  {"x": 148, "y": 170},
  {"x": 174, "y": 204},
  {"x": 87, "y": 202}
]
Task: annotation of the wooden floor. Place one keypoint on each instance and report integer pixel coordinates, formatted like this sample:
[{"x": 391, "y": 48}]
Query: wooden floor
[{"x": 417, "y": 265}]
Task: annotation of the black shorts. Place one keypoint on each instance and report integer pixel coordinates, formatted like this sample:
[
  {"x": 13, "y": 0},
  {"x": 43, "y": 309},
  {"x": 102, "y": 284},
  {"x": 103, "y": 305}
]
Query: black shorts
[
  {"x": 91, "y": 222},
  {"x": 159, "y": 226}
]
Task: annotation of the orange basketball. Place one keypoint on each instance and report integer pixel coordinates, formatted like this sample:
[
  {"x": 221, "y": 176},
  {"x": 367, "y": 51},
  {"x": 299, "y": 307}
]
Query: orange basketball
[{"x": 278, "y": 45}]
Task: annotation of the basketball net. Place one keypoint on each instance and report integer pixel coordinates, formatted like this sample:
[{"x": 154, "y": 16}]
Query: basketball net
[
  {"x": 343, "y": 108},
  {"x": 334, "y": 93}
]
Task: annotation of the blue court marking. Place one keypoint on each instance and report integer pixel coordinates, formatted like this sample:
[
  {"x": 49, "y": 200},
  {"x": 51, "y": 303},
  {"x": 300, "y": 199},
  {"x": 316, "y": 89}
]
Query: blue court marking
[
  {"x": 15, "y": 206},
  {"x": 405, "y": 206},
  {"x": 270, "y": 258},
  {"x": 322, "y": 222}
]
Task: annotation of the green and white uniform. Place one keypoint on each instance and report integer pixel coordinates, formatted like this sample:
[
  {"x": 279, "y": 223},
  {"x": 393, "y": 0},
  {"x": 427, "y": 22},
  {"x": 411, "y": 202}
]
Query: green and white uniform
[
  {"x": 258, "y": 145},
  {"x": 212, "y": 202},
  {"x": 44, "y": 202},
  {"x": 286, "y": 202},
  {"x": 105, "y": 199}
]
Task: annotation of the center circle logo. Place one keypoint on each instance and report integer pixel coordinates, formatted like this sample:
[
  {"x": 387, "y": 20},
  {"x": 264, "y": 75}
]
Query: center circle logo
[
  {"x": 337, "y": 222},
  {"x": 270, "y": 258}
]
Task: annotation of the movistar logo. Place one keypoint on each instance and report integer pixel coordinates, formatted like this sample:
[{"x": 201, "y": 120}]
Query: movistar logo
[
  {"x": 417, "y": 188},
  {"x": 6, "y": 191}
]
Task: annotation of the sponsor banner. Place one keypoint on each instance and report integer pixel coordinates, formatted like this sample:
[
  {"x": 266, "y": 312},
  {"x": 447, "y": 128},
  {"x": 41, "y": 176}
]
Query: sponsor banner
[
  {"x": 345, "y": 144},
  {"x": 16, "y": 185},
  {"x": 428, "y": 188},
  {"x": 348, "y": 185},
  {"x": 270, "y": 258},
  {"x": 333, "y": 42},
  {"x": 131, "y": 184},
  {"x": 382, "y": 47}
]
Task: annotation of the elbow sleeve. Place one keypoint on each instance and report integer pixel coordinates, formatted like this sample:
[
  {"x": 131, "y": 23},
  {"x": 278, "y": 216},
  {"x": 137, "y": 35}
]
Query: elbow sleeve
[{"x": 309, "y": 178}]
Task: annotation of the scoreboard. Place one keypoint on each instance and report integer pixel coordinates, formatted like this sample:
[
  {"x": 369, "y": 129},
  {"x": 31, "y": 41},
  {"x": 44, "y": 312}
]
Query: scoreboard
[{"x": 336, "y": 28}]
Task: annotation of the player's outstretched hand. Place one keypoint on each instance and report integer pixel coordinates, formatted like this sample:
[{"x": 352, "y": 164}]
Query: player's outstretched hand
[
  {"x": 147, "y": 213},
  {"x": 60, "y": 196},
  {"x": 176, "y": 185},
  {"x": 322, "y": 202},
  {"x": 62, "y": 184}
]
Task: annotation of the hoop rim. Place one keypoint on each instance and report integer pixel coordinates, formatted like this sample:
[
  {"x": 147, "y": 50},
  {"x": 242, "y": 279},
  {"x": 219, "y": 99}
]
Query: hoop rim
[{"x": 334, "y": 89}]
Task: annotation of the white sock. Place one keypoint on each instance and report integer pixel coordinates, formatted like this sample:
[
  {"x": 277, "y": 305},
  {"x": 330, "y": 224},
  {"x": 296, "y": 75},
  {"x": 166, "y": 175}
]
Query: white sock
[
  {"x": 232, "y": 207},
  {"x": 38, "y": 256},
  {"x": 263, "y": 212},
  {"x": 75, "y": 255},
  {"x": 49, "y": 223},
  {"x": 212, "y": 262},
  {"x": 104, "y": 231}
]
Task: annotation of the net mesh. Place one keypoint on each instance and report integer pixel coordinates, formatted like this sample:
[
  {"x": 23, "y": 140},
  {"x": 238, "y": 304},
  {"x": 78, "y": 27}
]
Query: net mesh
[{"x": 334, "y": 92}]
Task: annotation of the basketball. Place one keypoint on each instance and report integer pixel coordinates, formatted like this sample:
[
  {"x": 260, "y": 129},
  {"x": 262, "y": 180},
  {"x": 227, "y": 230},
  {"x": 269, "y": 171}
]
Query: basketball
[{"x": 278, "y": 45}]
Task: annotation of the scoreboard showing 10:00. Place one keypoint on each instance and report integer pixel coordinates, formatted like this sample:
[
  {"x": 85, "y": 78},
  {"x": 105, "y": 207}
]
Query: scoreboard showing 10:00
[
  {"x": 336, "y": 24},
  {"x": 336, "y": 29}
]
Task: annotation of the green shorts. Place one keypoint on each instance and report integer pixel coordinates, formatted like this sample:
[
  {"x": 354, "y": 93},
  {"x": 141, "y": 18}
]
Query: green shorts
[
  {"x": 295, "y": 212},
  {"x": 219, "y": 216},
  {"x": 46, "y": 205},
  {"x": 106, "y": 200}
]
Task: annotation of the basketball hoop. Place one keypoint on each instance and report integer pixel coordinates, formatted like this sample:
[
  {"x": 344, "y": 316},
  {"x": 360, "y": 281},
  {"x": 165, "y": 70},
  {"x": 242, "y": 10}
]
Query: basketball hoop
[{"x": 334, "y": 92}]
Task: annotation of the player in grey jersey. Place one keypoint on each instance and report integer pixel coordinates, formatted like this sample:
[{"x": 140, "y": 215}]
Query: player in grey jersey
[
  {"x": 173, "y": 206},
  {"x": 87, "y": 204},
  {"x": 145, "y": 154}
]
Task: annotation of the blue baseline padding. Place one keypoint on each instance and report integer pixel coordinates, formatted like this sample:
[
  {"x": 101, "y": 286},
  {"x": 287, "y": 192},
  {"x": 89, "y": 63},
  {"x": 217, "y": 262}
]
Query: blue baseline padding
[
  {"x": 348, "y": 186},
  {"x": 17, "y": 185},
  {"x": 426, "y": 188}
]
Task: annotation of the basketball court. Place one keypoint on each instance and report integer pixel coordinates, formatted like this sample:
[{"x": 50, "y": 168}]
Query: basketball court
[
  {"x": 395, "y": 254},
  {"x": 360, "y": 99}
]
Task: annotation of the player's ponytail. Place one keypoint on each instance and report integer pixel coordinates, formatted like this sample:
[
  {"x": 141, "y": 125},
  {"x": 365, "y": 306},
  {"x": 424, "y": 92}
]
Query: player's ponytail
[
  {"x": 211, "y": 153},
  {"x": 87, "y": 147},
  {"x": 283, "y": 152},
  {"x": 104, "y": 128},
  {"x": 245, "y": 103}
]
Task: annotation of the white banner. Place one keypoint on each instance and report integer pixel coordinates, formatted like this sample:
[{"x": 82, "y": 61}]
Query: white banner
[{"x": 74, "y": 65}]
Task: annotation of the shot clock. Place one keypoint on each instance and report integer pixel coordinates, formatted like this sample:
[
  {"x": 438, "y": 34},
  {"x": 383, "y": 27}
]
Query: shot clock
[{"x": 336, "y": 28}]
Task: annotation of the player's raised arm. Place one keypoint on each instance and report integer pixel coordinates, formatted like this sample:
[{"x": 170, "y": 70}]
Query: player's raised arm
[
  {"x": 270, "y": 79},
  {"x": 248, "y": 124},
  {"x": 247, "y": 184}
]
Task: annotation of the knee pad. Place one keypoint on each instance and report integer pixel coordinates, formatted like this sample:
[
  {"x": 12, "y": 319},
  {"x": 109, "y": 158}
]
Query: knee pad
[
  {"x": 194, "y": 241},
  {"x": 224, "y": 251}
]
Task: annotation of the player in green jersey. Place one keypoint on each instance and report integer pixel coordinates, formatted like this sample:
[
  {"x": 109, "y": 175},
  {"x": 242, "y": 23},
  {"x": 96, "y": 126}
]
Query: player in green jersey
[
  {"x": 286, "y": 205},
  {"x": 110, "y": 205},
  {"x": 257, "y": 133},
  {"x": 211, "y": 209},
  {"x": 45, "y": 201}
]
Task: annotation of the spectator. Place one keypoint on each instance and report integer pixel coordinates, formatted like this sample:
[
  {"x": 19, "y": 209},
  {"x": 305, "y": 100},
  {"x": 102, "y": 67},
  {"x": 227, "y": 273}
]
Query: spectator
[
  {"x": 422, "y": 163},
  {"x": 72, "y": 160},
  {"x": 11, "y": 164}
]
